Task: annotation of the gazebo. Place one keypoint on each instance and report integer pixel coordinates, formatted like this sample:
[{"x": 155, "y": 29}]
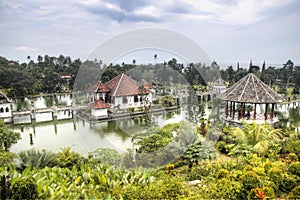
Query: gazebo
[{"x": 250, "y": 91}]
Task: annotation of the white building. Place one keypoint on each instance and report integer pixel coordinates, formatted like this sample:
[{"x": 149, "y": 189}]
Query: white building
[
  {"x": 99, "y": 109},
  {"x": 123, "y": 92},
  {"x": 5, "y": 110}
]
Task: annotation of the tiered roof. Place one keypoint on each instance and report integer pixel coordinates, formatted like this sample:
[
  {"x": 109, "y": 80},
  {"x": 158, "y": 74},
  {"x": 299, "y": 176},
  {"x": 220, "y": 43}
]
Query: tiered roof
[{"x": 250, "y": 89}]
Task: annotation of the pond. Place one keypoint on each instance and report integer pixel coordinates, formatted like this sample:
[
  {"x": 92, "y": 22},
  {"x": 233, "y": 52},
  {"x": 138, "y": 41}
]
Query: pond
[
  {"x": 81, "y": 135},
  {"x": 84, "y": 137}
]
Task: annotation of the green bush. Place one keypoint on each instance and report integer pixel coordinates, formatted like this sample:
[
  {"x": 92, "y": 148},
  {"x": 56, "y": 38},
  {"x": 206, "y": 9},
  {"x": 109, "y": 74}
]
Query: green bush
[
  {"x": 294, "y": 147},
  {"x": 24, "y": 188},
  {"x": 221, "y": 147},
  {"x": 288, "y": 182},
  {"x": 295, "y": 193},
  {"x": 201, "y": 171},
  {"x": 294, "y": 168},
  {"x": 249, "y": 181},
  {"x": 261, "y": 193},
  {"x": 292, "y": 157},
  {"x": 223, "y": 189},
  {"x": 223, "y": 173},
  {"x": 275, "y": 174}
]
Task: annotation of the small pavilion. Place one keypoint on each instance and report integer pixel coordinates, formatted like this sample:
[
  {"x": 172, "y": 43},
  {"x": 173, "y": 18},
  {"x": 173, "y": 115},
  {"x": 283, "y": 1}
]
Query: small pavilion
[{"x": 250, "y": 100}]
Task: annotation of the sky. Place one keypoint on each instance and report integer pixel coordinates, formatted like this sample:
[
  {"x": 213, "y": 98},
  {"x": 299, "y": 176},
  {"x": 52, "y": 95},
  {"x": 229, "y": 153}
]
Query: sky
[{"x": 230, "y": 31}]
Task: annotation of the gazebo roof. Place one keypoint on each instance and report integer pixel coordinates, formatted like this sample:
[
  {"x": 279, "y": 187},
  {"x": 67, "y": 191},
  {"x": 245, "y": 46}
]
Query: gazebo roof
[
  {"x": 219, "y": 82},
  {"x": 250, "y": 89}
]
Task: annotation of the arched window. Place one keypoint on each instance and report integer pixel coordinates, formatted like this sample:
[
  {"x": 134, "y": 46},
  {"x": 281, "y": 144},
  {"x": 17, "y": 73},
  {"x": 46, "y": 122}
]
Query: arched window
[
  {"x": 6, "y": 109},
  {"x": 1, "y": 110}
]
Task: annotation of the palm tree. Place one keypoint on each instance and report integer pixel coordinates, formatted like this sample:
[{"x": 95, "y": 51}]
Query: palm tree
[
  {"x": 258, "y": 136},
  {"x": 35, "y": 158}
]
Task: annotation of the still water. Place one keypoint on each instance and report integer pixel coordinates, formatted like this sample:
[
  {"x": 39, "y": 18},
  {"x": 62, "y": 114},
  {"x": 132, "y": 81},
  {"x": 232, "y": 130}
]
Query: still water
[{"x": 84, "y": 137}]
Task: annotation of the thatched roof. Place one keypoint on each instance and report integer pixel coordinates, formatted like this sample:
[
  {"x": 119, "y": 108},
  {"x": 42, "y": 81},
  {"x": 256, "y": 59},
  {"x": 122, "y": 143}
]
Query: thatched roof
[{"x": 251, "y": 89}]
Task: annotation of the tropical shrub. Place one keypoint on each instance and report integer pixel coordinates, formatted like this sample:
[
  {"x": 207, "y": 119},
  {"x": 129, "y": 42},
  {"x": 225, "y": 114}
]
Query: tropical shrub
[
  {"x": 68, "y": 158},
  {"x": 35, "y": 158},
  {"x": 294, "y": 168},
  {"x": 288, "y": 182},
  {"x": 260, "y": 137},
  {"x": 199, "y": 151},
  {"x": 106, "y": 156},
  {"x": 294, "y": 147},
  {"x": 24, "y": 188},
  {"x": 295, "y": 193},
  {"x": 223, "y": 173},
  {"x": 249, "y": 181},
  {"x": 292, "y": 157},
  {"x": 261, "y": 193},
  {"x": 221, "y": 147},
  {"x": 222, "y": 189}
]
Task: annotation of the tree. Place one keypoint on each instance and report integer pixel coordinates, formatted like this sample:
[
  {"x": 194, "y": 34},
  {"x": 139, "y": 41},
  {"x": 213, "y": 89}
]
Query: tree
[{"x": 7, "y": 137}]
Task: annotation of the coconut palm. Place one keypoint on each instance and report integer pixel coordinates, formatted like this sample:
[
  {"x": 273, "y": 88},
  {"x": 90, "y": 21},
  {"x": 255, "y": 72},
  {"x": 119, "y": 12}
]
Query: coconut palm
[{"x": 258, "y": 136}]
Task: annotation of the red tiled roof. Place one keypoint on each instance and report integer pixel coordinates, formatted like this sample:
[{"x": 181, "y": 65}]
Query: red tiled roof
[
  {"x": 123, "y": 85},
  {"x": 99, "y": 104},
  {"x": 147, "y": 85},
  {"x": 99, "y": 88}
]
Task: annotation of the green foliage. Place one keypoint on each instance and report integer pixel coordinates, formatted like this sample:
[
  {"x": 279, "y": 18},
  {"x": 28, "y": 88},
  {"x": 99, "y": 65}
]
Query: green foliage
[
  {"x": 155, "y": 138},
  {"x": 106, "y": 156},
  {"x": 292, "y": 157},
  {"x": 257, "y": 136},
  {"x": 223, "y": 173},
  {"x": 221, "y": 147},
  {"x": 224, "y": 189},
  {"x": 36, "y": 158},
  {"x": 167, "y": 101},
  {"x": 24, "y": 188},
  {"x": 250, "y": 180},
  {"x": 201, "y": 150},
  {"x": 288, "y": 183},
  {"x": 294, "y": 168},
  {"x": 7, "y": 137},
  {"x": 295, "y": 193},
  {"x": 6, "y": 157},
  {"x": 294, "y": 146},
  {"x": 261, "y": 193},
  {"x": 68, "y": 158}
]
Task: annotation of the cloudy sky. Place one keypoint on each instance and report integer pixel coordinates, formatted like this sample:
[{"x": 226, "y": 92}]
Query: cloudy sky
[{"x": 228, "y": 30}]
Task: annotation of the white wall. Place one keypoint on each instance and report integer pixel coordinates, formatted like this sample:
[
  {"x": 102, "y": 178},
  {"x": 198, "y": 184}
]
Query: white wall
[
  {"x": 99, "y": 112},
  {"x": 130, "y": 102},
  {"x": 5, "y": 114}
]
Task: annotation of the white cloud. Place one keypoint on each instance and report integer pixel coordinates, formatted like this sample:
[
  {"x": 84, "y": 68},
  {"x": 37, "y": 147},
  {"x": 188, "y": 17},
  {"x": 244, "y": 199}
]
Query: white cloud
[{"x": 25, "y": 48}]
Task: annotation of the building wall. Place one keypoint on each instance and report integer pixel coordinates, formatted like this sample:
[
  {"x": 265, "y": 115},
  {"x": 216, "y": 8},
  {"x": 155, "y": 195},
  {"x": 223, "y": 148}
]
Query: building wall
[
  {"x": 219, "y": 89},
  {"x": 129, "y": 102},
  {"x": 99, "y": 112},
  {"x": 5, "y": 111}
]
